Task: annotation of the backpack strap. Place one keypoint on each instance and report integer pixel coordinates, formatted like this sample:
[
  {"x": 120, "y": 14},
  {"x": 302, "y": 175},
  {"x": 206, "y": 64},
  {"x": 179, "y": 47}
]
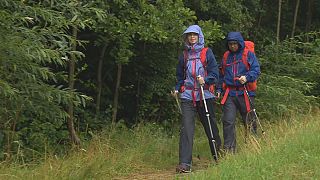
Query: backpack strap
[
  {"x": 185, "y": 59},
  {"x": 203, "y": 57},
  {"x": 245, "y": 58},
  {"x": 224, "y": 61}
]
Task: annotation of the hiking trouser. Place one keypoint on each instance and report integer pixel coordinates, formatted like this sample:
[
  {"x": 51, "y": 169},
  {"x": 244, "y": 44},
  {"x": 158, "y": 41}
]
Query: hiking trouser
[
  {"x": 232, "y": 104},
  {"x": 188, "y": 125}
]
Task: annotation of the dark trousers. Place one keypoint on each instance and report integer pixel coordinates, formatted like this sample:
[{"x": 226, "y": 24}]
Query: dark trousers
[
  {"x": 232, "y": 104},
  {"x": 188, "y": 125}
]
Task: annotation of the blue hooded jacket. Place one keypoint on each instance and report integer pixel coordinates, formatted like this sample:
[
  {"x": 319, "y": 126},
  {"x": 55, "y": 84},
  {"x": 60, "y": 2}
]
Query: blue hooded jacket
[
  {"x": 186, "y": 73},
  {"x": 239, "y": 69}
]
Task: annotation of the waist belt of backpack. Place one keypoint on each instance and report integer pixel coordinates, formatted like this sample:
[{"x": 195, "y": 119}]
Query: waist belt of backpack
[
  {"x": 194, "y": 95},
  {"x": 237, "y": 88},
  {"x": 197, "y": 89}
]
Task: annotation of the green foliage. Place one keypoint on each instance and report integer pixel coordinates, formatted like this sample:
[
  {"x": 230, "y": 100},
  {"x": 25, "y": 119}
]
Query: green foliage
[
  {"x": 212, "y": 32},
  {"x": 232, "y": 15},
  {"x": 156, "y": 103},
  {"x": 34, "y": 40},
  {"x": 289, "y": 74}
]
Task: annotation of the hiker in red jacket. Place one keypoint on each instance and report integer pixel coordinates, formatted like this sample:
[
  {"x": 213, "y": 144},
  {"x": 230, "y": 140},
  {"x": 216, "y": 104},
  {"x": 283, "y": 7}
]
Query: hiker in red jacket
[
  {"x": 197, "y": 66},
  {"x": 238, "y": 69}
]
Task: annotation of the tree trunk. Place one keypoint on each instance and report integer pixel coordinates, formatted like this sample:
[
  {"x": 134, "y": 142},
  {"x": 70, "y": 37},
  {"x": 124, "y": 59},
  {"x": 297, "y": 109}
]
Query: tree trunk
[
  {"x": 116, "y": 95},
  {"x": 73, "y": 136},
  {"x": 295, "y": 18},
  {"x": 279, "y": 18},
  {"x": 11, "y": 132},
  {"x": 10, "y": 137},
  {"x": 138, "y": 94},
  {"x": 260, "y": 14},
  {"x": 99, "y": 79},
  {"x": 309, "y": 15},
  {"x": 139, "y": 84},
  {"x": 308, "y": 20}
]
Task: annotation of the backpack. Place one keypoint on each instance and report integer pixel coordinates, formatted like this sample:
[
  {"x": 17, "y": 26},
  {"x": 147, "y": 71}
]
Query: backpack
[
  {"x": 249, "y": 47},
  {"x": 203, "y": 59}
]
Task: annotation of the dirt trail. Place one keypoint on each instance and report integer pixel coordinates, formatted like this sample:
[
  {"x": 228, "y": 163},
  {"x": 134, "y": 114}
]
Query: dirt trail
[{"x": 198, "y": 165}]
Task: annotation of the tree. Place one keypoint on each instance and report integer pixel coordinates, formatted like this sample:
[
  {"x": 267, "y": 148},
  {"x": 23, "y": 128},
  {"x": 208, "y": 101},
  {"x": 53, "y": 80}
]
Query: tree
[
  {"x": 73, "y": 136},
  {"x": 79, "y": 16},
  {"x": 35, "y": 47},
  {"x": 309, "y": 11},
  {"x": 290, "y": 73},
  {"x": 295, "y": 18},
  {"x": 279, "y": 21}
]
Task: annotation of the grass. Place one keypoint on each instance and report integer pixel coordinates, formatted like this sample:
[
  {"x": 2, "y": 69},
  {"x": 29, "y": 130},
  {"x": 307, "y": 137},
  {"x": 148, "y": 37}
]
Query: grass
[
  {"x": 112, "y": 154},
  {"x": 290, "y": 150}
]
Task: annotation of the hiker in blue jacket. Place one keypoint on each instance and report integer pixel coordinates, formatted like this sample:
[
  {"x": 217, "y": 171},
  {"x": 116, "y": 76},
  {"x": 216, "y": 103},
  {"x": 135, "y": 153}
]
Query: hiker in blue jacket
[
  {"x": 238, "y": 67},
  {"x": 191, "y": 73}
]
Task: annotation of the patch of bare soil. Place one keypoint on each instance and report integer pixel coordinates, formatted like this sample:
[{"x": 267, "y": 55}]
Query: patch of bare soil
[{"x": 198, "y": 164}]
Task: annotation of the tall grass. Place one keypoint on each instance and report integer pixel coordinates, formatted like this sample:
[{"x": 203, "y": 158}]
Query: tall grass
[
  {"x": 290, "y": 150},
  {"x": 115, "y": 153}
]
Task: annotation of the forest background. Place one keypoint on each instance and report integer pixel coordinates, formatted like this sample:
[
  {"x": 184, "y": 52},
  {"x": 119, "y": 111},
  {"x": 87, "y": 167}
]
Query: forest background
[{"x": 71, "y": 69}]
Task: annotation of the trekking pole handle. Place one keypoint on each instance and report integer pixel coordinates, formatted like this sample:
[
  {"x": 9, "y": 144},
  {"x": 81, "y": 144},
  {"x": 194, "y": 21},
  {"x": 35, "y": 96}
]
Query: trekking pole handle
[
  {"x": 175, "y": 94},
  {"x": 202, "y": 93},
  {"x": 202, "y": 80},
  {"x": 204, "y": 100},
  {"x": 245, "y": 90}
]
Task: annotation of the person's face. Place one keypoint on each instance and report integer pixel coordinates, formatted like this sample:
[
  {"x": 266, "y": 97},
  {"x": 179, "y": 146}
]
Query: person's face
[
  {"x": 192, "y": 38},
  {"x": 233, "y": 46}
]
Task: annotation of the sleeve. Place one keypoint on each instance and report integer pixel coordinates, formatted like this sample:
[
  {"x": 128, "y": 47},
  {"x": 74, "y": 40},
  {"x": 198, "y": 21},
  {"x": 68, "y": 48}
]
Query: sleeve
[
  {"x": 212, "y": 69},
  {"x": 254, "y": 70},
  {"x": 180, "y": 73}
]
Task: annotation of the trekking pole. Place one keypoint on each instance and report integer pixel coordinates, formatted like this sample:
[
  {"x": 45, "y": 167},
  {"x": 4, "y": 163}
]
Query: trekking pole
[
  {"x": 208, "y": 118},
  {"x": 177, "y": 100},
  {"x": 253, "y": 109}
]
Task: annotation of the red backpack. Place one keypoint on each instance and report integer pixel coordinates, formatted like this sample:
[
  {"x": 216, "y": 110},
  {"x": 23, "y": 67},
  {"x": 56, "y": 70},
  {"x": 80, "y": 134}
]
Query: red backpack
[
  {"x": 249, "y": 46},
  {"x": 203, "y": 59}
]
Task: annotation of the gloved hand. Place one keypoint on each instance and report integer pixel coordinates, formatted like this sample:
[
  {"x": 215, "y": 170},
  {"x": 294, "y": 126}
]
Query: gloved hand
[
  {"x": 218, "y": 94},
  {"x": 200, "y": 80},
  {"x": 242, "y": 79},
  {"x": 174, "y": 93}
]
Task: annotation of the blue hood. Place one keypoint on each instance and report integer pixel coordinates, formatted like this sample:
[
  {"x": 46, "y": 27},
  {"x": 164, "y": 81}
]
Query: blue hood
[
  {"x": 236, "y": 36},
  {"x": 195, "y": 29}
]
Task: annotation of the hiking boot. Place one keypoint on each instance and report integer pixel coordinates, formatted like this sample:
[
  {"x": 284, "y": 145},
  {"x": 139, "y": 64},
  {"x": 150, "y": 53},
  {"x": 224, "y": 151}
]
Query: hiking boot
[
  {"x": 183, "y": 168},
  {"x": 229, "y": 150}
]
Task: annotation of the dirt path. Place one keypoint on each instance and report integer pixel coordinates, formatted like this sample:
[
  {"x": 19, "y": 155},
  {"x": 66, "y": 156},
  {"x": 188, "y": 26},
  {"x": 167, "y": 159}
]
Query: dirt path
[{"x": 198, "y": 165}]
